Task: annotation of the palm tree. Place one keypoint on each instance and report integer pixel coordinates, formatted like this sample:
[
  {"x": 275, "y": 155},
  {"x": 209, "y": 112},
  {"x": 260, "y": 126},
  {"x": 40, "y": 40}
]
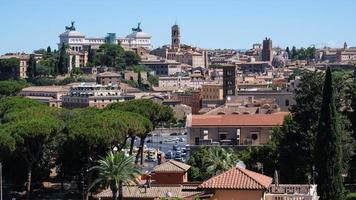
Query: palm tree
[
  {"x": 220, "y": 160},
  {"x": 115, "y": 170}
]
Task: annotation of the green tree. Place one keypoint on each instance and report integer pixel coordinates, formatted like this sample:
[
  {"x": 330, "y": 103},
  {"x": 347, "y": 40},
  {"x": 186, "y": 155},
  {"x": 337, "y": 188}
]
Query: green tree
[
  {"x": 27, "y": 138},
  {"x": 294, "y": 53},
  {"x": 220, "y": 160},
  {"x": 110, "y": 55},
  {"x": 131, "y": 58},
  {"x": 62, "y": 64},
  {"x": 328, "y": 153},
  {"x": 352, "y": 117},
  {"x": 76, "y": 71},
  {"x": 207, "y": 162},
  {"x": 40, "y": 51},
  {"x": 31, "y": 70},
  {"x": 88, "y": 135},
  {"x": 153, "y": 79},
  {"x": 296, "y": 137},
  {"x": 115, "y": 170},
  {"x": 147, "y": 108},
  {"x": 288, "y": 52},
  {"x": 11, "y": 88},
  {"x": 49, "y": 51},
  {"x": 12, "y": 105},
  {"x": 139, "y": 80},
  {"x": 9, "y": 68},
  {"x": 91, "y": 57}
]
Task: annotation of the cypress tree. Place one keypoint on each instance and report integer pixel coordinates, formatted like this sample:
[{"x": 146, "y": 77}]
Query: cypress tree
[
  {"x": 288, "y": 52},
  {"x": 49, "y": 51},
  {"x": 31, "y": 71},
  {"x": 139, "y": 79},
  {"x": 328, "y": 146},
  {"x": 62, "y": 60}
]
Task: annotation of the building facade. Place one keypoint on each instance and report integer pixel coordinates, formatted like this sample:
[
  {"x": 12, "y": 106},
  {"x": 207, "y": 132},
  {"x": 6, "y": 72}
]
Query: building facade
[
  {"x": 49, "y": 95},
  {"x": 235, "y": 131},
  {"x": 212, "y": 91},
  {"x": 182, "y": 53},
  {"x": 163, "y": 67},
  {"x": 267, "y": 52},
  {"x": 191, "y": 98},
  {"x": 93, "y": 95},
  {"x": 77, "y": 41},
  {"x": 229, "y": 80},
  {"x": 107, "y": 78}
]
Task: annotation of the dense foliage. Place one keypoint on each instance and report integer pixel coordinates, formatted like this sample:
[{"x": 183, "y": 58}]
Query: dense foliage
[
  {"x": 208, "y": 162},
  {"x": 115, "y": 170},
  {"x": 9, "y": 68},
  {"x": 301, "y": 54},
  {"x": 35, "y": 138},
  {"x": 328, "y": 151},
  {"x": 291, "y": 149},
  {"x": 11, "y": 87}
]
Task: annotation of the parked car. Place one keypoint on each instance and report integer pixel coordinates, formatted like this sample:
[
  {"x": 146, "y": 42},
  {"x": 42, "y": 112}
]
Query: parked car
[
  {"x": 169, "y": 155},
  {"x": 173, "y": 134},
  {"x": 180, "y": 159},
  {"x": 175, "y": 147}
]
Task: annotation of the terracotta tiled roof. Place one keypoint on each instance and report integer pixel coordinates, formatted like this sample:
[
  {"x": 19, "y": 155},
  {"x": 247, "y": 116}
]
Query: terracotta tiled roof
[
  {"x": 171, "y": 166},
  {"x": 155, "y": 191},
  {"x": 274, "y": 119},
  {"x": 239, "y": 179}
]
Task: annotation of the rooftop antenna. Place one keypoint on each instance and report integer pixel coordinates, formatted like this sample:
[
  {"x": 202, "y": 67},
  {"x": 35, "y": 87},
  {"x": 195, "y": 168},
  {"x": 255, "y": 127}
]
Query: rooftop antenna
[{"x": 175, "y": 22}]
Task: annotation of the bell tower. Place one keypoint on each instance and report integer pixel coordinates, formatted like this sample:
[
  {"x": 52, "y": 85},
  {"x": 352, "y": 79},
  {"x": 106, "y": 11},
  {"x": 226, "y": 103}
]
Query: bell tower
[{"x": 175, "y": 36}]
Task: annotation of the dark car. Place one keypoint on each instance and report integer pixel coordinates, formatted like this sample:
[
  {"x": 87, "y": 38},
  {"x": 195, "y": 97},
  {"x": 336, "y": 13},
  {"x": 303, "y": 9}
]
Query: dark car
[
  {"x": 169, "y": 155},
  {"x": 175, "y": 147}
]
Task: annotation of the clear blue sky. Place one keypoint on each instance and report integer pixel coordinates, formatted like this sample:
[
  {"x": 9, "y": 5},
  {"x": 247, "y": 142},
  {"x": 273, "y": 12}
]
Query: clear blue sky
[{"x": 32, "y": 24}]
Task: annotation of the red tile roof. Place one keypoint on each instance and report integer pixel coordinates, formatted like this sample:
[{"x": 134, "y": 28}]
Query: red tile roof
[
  {"x": 239, "y": 179},
  {"x": 274, "y": 119},
  {"x": 156, "y": 191},
  {"x": 171, "y": 166}
]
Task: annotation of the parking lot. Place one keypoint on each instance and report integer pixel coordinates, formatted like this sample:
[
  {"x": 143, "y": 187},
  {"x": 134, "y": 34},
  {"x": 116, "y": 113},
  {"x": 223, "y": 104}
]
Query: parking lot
[{"x": 173, "y": 145}]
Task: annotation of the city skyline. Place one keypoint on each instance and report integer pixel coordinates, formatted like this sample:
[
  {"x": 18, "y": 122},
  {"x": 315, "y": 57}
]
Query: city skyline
[{"x": 206, "y": 24}]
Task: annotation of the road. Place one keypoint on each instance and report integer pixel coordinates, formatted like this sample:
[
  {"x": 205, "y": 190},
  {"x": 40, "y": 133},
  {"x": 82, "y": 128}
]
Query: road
[{"x": 167, "y": 142}]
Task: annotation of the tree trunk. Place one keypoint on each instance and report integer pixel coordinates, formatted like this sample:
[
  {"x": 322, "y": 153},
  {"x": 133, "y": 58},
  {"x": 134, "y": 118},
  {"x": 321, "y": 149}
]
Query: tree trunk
[
  {"x": 138, "y": 154},
  {"x": 114, "y": 194},
  {"x": 132, "y": 144},
  {"x": 121, "y": 195},
  {"x": 28, "y": 190},
  {"x": 120, "y": 147},
  {"x": 140, "y": 150},
  {"x": 142, "y": 143}
]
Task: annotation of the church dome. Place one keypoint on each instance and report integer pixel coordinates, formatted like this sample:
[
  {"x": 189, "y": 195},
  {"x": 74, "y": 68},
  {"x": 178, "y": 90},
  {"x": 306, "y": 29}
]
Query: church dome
[
  {"x": 69, "y": 33},
  {"x": 137, "y": 34},
  {"x": 278, "y": 61}
]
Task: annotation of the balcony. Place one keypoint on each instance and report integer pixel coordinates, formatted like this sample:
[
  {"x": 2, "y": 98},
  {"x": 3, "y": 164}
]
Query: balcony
[{"x": 292, "y": 192}]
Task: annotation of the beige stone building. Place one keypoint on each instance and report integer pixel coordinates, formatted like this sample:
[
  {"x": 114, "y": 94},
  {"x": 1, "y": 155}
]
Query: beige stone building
[
  {"x": 182, "y": 53},
  {"x": 212, "y": 91},
  {"x": 50, "y": 95},
  {"x": 237, "y": 130},
  {"x": 93, "y": 95},
  {"x": 106, "y": 78}
]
